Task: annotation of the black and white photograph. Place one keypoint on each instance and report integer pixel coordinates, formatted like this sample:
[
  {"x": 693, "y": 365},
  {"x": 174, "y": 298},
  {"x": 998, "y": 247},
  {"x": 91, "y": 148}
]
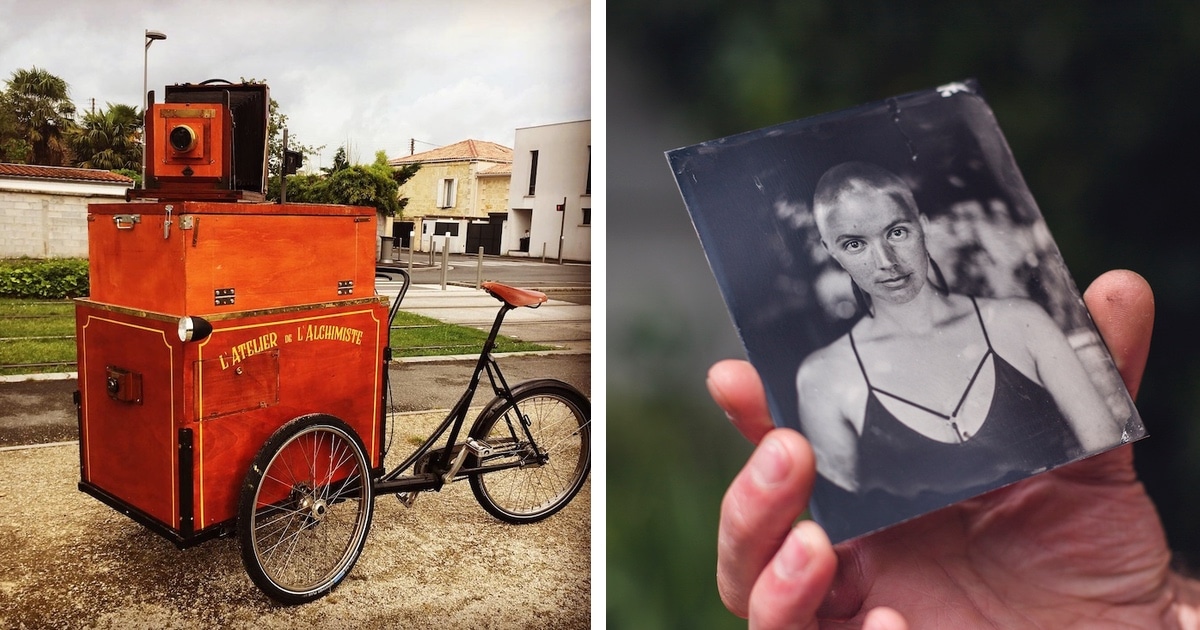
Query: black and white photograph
[{"x": 893, "y": 281}]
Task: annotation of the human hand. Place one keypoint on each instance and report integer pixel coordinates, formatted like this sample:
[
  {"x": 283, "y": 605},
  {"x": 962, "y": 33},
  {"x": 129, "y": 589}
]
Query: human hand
[{"x": 1080, "y": 546}]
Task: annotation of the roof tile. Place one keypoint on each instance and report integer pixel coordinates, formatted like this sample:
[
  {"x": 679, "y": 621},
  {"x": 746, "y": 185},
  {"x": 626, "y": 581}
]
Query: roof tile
[
  {"x": 33, "y": 171},
  {"x": 467, "y": 150}
]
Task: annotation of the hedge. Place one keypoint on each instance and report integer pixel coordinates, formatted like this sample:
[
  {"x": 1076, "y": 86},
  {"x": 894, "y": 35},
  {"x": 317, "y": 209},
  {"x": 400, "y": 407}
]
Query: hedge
[{"x": 54, "y": 278}]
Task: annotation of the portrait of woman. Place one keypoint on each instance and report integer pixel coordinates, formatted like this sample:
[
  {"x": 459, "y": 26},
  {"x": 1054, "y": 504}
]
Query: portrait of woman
[
  {"x": 897, "y": 288},
  {"x": 932, "y": 396}
]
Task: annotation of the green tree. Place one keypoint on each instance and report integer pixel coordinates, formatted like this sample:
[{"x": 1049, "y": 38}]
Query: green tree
[
  {"x": 398, "y": 175},
  {"x": 375, "y": 185},
  {"x": 13, "y": 148},
  {"x": 108, "y": 139},
  {"x": 41, "y": 116},
  {"x": 277, "y": 122},
  {"x": 308, "y": 188},
  {"x": 339, "y": 162}
]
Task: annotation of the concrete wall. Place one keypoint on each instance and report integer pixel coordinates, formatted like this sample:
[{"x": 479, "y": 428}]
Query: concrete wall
[
  {"x": 564, "y": 151},
  {"x": 48, "y": 221}
]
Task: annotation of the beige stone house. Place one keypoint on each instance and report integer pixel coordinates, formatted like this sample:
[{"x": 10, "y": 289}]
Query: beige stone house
[{"x": 462, "y": 190}]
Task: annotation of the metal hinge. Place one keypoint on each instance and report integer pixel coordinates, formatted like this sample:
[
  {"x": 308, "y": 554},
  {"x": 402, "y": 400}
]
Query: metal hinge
[
  {"x": 345, "y": 287},
  {"x": 223, "y": 297}
]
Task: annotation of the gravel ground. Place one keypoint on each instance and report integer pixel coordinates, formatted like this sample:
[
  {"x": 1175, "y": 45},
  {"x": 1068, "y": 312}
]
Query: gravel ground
[{"x": 68, "y": 561}]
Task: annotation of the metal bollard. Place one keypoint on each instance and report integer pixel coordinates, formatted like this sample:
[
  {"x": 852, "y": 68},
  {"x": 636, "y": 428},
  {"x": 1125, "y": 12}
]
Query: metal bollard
[
  {"x": 445, "y": 259},
  {"x": 479, "y": 270},
  {"x": 543, "y": 251},
  {"x": 412, "y": 244}
]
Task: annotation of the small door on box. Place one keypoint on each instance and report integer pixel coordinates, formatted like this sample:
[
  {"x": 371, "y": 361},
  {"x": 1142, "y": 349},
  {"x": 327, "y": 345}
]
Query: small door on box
[
  {"x": 129, "y": 389},
  {"x": 223, "y": 387}
]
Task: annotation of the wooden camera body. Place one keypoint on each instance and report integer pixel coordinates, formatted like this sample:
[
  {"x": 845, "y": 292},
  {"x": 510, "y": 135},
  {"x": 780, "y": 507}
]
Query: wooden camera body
[{"x": 207, "y": 141}]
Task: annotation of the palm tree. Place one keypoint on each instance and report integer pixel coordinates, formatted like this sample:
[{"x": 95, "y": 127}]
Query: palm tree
[
  {"x": 108, "y": 139},
  {"x": 42, "y": 110}
]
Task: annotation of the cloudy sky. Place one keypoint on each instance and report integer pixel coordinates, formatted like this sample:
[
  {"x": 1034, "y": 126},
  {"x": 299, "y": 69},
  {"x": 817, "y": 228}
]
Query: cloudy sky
[{"x": 370, "y": 74}]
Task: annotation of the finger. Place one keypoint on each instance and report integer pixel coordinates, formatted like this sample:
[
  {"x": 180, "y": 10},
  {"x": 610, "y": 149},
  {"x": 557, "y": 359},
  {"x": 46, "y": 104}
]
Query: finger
[
  {"x": 1122, "y": 305},
  {"x": 795, "y": 581},
  {"x": 758, "y": 511},
  {"x": 736, "y": 387},
  {"x": 884, "y": 618}
]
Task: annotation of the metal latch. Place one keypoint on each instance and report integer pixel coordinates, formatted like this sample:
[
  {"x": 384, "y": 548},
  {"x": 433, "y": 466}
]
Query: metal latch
[
  {"x": 167, "y": 222},
  {"x": 126, "y": 221}
]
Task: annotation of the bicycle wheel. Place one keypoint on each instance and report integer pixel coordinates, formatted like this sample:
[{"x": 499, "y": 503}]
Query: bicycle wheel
[
  {"x": 305, "y": 509},
  {"x": 547, "y": 471}
]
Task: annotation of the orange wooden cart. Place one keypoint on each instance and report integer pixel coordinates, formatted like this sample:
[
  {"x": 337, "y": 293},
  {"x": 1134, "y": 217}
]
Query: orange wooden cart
[
  {"x": 168, "y": 427},
  {"x": 233, "y": 366}
]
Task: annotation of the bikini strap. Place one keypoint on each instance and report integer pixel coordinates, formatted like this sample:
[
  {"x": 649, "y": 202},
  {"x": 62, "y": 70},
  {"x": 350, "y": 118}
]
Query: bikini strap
[
  {"x": 876, "y": 390},
  {"x": 979, "y": 316},
  {"x": 862, "y": 368}
]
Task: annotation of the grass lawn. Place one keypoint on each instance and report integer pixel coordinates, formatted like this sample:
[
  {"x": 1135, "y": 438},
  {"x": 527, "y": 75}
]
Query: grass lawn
[
  {"x": 419, "y": 336},
  {"x": 42, "y": 332}
]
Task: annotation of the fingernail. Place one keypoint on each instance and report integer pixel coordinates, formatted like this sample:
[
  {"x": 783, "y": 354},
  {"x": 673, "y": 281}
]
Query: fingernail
[
  {"x": 793, "y": 557},
  {"x": 770, "y": 463}
]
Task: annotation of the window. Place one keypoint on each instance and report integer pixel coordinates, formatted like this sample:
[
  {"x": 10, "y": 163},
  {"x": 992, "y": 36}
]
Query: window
[
  {"x": 532, "y": 171},
  {"x": 587, "y": 216},
  {"x": 447, "y": 189},
  {"x": 446, "y": 227},
  {"x": 587, "y": 188}
]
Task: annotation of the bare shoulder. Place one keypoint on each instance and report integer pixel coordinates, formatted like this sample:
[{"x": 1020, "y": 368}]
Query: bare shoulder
[
  {"x": 827, "y": 366},
  {"x": 1023, "y": 333},
  {"x": 1015, "y": 315},
  {"x": 829, "y": 383}
]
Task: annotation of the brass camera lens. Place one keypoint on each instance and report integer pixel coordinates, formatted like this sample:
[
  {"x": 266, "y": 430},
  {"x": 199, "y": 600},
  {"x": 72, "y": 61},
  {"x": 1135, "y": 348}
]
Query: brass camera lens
[{"x": 182, "y": 138}]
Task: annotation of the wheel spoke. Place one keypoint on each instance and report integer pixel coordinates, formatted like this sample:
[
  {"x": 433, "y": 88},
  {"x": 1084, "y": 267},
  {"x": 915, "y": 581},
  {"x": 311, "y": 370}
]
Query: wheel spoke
[
  {"x": 304, "y": 532},
  {"x": 551, "y": 423}
]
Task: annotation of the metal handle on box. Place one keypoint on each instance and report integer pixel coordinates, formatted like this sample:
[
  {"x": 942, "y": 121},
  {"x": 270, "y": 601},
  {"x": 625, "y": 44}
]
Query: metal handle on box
[{"x": 126, "y": 221}]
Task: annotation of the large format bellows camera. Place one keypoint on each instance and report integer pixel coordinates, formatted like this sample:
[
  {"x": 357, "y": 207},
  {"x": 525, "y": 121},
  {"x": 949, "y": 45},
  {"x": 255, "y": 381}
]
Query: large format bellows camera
[{"x": 207, "y": 141}]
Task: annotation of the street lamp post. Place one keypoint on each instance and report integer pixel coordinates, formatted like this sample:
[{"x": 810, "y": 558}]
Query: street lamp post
[{"x": 150, "y": 37}]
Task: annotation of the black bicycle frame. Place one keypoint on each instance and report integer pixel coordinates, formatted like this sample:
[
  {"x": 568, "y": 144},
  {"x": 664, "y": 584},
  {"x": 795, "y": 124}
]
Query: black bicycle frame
[{"x": 392, "y": 481}]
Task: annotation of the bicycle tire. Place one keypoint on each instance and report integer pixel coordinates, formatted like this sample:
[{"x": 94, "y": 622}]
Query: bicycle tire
[
  {"x": 305, "y": 509},
  {"x": 559, "y": 419}
]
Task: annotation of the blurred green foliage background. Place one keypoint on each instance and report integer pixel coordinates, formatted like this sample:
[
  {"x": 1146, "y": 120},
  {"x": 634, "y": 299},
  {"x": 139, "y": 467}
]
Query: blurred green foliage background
[{"x": 1099, "y": 104}]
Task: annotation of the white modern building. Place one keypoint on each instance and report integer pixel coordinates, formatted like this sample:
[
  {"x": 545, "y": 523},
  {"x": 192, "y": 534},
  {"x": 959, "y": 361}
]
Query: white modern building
[{"x": 550, "y": 193}]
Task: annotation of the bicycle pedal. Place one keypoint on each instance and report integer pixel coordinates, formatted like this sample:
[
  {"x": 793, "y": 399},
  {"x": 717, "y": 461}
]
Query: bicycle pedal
[
  {"x": 407, "y": 499},
  {"x": 480, "y": 448}
]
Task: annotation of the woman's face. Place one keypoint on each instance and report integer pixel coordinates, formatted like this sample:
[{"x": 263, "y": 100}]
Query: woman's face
[{"x": 880, "y": 242}]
